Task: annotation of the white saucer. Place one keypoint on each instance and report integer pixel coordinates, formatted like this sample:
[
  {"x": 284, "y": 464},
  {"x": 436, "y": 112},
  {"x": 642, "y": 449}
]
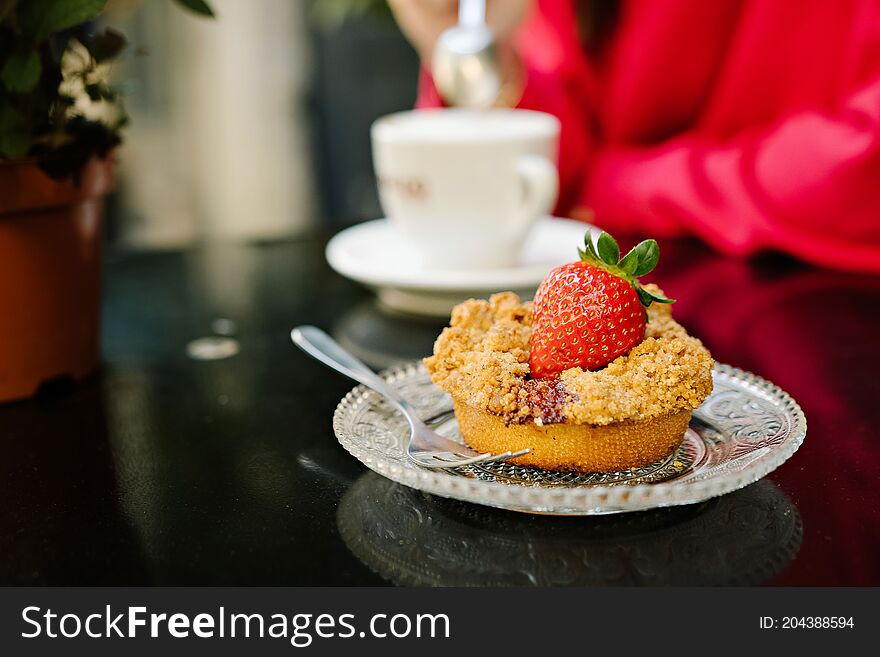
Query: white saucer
[{"x": 375, "y": 255}]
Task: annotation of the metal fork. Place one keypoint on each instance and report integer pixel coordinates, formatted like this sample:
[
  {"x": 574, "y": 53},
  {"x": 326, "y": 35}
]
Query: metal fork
[{"x": 426, "y": 447}]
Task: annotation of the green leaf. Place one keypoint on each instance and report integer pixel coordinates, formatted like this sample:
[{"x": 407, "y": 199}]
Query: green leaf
[
  {"x": 659, "y": 298},
  {"x": 15, "y": 134},
  {"x": 589, "y": 253},
  {"x": 199, "y": 7},
  {"x": 630, "y": 262},
  {"x": 40, "y": 18},
  {"x": 644, "y": 296},
  {"x": 649, "y": 254},
  {"x": 591, "y": 246},
  {"x": 21, "y": 72},
  {"x": 647, "y": 298},
  {"x": 609, "y": 252},
  {"x": 641, "y": 259}
]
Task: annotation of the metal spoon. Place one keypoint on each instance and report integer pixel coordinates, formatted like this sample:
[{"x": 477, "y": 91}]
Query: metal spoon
[{"x": 465, "y": 62}]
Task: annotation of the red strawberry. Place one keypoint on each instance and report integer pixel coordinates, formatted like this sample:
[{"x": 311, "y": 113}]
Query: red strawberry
[{"x": 587, "y": 313}]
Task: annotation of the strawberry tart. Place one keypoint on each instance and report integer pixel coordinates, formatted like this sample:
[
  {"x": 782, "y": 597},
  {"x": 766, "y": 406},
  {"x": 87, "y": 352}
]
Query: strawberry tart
[{"x": 594, "y": 375}]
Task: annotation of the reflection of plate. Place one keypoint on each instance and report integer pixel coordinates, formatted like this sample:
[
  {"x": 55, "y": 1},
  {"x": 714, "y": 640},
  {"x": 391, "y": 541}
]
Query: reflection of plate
[
  {"x": 381, "y": 339},
  {"x": 745, "y": 429},
  {"x": 420, "y": 540},
  {"x": 374, "y": 254}
]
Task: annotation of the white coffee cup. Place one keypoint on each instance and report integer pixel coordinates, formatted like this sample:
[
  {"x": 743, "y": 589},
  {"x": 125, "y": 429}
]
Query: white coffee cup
[{"x": 463, "y": 187}]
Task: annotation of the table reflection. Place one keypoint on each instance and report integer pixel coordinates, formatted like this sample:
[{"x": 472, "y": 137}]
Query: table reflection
[
  {"x": 382, "y": 338},
  {"x": 813, "y": 333},
  {"x": 416, "y": 539}
]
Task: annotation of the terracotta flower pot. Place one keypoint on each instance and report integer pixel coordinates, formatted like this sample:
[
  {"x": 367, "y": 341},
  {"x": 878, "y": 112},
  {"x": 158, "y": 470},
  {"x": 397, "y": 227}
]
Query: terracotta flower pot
[{"x": 50, "y": 275}]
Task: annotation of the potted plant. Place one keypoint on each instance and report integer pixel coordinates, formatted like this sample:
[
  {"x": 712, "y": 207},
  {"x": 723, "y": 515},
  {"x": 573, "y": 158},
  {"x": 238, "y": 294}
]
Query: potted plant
[{"x": 60, "y": 121}]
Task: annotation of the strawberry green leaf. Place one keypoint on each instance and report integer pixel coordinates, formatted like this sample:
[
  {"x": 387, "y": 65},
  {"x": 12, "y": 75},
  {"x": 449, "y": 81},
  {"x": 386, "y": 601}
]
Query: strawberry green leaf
[
  {"x": 630, "y": 262},
  {"x": 603, "y": 252},
  {"x": 649, "y": 254},
  {"x": 591, "y": 250},
  {"x": 647, "y": 297},
  {"x": 608, "y": 250},
  {"x": 644, "y": 296},
  {"x": 659, "y": 298}
]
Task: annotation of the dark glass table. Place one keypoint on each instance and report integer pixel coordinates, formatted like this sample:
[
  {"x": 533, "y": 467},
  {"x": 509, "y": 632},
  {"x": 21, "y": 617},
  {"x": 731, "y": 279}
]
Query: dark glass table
[{"x": 167, "y": 470}]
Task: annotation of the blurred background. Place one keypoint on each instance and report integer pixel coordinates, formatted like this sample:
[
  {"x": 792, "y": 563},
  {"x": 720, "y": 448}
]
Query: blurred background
[{"x": 254, "y": 125}]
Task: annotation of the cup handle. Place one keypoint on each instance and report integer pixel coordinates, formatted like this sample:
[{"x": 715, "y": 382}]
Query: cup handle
[{"x": 540, "y": 183}]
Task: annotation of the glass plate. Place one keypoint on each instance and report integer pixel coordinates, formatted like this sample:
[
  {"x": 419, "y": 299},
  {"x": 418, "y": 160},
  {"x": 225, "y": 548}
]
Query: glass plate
[{"x": 745, "y": 429}]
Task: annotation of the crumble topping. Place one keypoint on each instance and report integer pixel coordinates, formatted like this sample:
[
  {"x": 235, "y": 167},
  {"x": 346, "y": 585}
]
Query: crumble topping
[{"x": 482, "y": 358}]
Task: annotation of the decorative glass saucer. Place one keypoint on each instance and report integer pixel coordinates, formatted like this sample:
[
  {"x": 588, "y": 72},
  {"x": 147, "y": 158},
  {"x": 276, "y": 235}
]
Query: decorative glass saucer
[{"x": 745, "y": 429}]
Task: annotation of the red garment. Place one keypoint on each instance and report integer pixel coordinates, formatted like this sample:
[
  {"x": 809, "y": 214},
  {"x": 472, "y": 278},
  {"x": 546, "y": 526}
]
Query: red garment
[{"x": 754, "y": 124}]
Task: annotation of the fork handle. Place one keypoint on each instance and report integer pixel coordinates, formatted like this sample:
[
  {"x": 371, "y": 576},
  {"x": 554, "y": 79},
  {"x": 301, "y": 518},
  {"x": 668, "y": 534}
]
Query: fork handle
[{"x": 320, "y": 346}]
